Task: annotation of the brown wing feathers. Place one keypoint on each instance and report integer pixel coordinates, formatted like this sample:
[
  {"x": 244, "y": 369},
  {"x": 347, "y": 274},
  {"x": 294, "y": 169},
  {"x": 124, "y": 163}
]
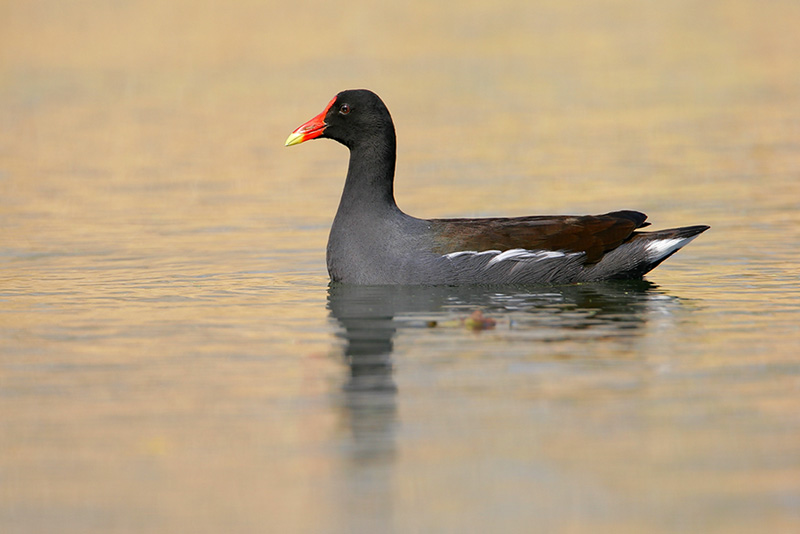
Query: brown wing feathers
[{"x": 592, "y": 234}]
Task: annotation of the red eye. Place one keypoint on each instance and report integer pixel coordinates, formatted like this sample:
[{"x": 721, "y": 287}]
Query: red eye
[{"x": 345, "y": 109}]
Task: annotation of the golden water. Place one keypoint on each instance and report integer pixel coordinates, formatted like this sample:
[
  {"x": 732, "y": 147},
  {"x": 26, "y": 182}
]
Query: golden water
[{"x": 172, "y": 360}]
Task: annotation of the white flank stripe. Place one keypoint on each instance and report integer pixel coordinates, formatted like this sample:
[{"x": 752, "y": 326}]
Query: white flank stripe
[
  {"x": 514, "y": 254},
  {"x": 521, "y": 254},
  {"x": 471, "y": 252},
  {"x": 548, "y": 254}
]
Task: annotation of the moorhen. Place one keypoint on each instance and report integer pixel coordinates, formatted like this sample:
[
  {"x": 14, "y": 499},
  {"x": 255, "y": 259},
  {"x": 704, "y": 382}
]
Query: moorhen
[{"x": 373, "y": 242}]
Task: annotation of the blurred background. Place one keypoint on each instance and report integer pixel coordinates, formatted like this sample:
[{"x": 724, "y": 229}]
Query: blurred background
[{"x": 172, "y": 360}]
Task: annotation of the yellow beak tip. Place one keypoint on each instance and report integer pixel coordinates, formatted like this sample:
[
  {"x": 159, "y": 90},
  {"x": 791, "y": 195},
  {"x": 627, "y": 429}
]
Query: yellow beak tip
[{"x": 293, "y": 139}]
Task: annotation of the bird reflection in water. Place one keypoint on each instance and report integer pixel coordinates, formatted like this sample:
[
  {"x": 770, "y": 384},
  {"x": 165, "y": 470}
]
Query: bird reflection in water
[{"x": 370, "y": 316}]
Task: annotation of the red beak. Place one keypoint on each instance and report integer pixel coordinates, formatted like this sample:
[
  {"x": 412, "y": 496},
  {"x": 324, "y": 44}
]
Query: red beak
[{"x": 311, "y": 129}]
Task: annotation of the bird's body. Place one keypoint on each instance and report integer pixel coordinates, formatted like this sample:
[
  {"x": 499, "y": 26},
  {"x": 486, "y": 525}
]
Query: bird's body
[{"x": 373, "y": 242}]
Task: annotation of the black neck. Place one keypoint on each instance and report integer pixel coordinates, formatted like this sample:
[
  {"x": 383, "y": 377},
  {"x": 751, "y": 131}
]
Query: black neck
[{"x": 370, "y": 175}]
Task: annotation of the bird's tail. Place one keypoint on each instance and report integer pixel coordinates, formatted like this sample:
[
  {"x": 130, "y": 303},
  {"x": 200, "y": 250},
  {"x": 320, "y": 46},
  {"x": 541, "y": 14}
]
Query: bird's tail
[
  {"x": 642, "y": 253},
  {"x": 662, "y": 244}
]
